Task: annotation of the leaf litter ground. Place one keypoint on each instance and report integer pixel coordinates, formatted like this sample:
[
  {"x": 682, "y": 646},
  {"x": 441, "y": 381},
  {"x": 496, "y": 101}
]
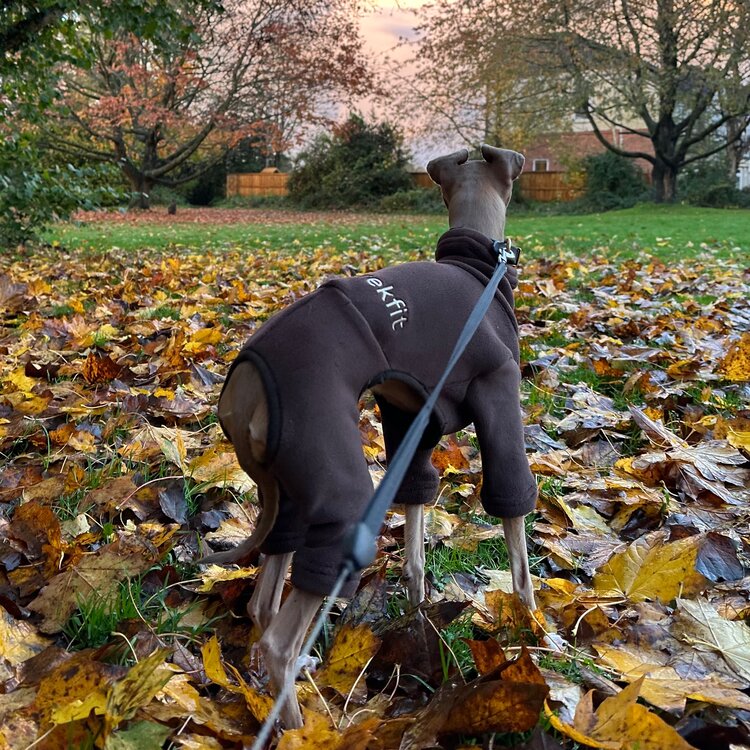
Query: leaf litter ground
[{"x": 115, "y": 477}]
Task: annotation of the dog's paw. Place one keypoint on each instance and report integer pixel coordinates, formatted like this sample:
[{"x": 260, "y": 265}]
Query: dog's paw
[
  {"x": 307, "y": 663},
  {"x": 555, "y": 642}
]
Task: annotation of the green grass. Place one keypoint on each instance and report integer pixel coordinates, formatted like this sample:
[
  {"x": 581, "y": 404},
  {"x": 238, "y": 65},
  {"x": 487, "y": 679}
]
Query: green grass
[
  {"x": 441, "y": 561},
  {"x": 96, "y": 620},
  {"x": 395, "y": 235},
  {"x": 666, "y": 232}
]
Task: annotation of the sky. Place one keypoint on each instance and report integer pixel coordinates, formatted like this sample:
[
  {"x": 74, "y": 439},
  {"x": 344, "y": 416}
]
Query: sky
[{"x": 389, "y": 23}]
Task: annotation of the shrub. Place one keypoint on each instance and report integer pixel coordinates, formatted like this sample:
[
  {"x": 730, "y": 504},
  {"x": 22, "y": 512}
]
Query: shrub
[
  {"x": 706, "y": 183},
  {"x": 416, "y": 200},
  {"x": 612, "y": 181},
  {"x": 34, "y": 190},
  {"x": 209, "y": 187},
  {"x": 356, "y": 165}
]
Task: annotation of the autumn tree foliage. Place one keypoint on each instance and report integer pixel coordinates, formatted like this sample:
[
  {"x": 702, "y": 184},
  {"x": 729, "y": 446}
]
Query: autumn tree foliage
[
  {"x": 673, "y": 73},
  {"x": 166, "y": 113},
  {"x": 37, "y": 39},
  {"x": 473, "y": 75},
  {"x": 681, "y": 68}
]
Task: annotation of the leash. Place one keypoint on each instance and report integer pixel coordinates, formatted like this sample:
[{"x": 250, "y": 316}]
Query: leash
[{"x": 361, "y": 545}]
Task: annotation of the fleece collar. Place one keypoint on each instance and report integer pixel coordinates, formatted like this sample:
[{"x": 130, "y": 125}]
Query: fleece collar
[{"x": 476, "y": 254}]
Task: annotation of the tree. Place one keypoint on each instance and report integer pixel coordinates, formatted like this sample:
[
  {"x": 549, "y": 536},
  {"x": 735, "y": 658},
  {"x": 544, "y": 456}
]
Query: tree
[
  {"x": 683, "y": 68},
  {"x": 357, "y": 164},
  {"x": 474, "y": 75},
  {"x": 36, "y": 38},
  {"x": 167, "y": 113},
  {"x": 673, "y": 72}
]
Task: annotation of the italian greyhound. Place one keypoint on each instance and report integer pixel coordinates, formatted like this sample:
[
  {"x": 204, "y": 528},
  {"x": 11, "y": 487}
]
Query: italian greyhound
[{"x": 289, "y": 407}]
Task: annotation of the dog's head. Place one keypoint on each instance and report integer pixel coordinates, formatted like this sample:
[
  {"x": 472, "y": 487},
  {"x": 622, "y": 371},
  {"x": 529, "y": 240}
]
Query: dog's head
[{"x": 476, "y": 192}]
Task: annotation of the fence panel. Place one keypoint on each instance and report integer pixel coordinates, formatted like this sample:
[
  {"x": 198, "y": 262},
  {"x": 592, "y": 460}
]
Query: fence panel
[
  {"x": 257, "y": 183},
  {"x": 538, "y": 186},
  {"x": 552, "y": 186}
]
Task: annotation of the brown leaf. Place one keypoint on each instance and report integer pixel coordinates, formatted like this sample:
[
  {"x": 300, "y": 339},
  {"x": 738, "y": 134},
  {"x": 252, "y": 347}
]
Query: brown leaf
[
  {"x": 487, "y": 654},
  {"x": 510, "y": 703},
  {"x": 96, "y": 575},
  {"x": 99, "y": 368}
]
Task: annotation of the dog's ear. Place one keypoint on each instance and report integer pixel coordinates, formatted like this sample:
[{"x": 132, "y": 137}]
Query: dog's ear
[
  {"x": 441, "y": 167},
  {"x": 510, "y": 163}
]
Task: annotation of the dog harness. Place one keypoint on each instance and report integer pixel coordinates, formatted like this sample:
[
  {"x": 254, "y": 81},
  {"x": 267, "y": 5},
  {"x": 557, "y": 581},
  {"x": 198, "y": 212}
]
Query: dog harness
[{"x": 319, "y": 355}]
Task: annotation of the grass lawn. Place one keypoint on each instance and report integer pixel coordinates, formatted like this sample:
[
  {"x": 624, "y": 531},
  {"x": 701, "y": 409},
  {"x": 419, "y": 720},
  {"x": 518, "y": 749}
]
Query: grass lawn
[{"x": 668, "y": 232}]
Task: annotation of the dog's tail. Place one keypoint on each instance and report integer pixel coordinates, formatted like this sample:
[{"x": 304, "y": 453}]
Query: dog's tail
[
  {"x": 270, "y": 509},
  {"x": 243, "y": 414}
]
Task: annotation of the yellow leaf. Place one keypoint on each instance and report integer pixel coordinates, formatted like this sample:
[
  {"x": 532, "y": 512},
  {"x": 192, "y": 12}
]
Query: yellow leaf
[
  {"x": 352, "y": 649},
  {"x": 75, "y": 688},
  {"x": 107, "y": 331},
  {"x": 19, "y": 640},
  {"x": 315, "y": 732},
  {"x": 197, "y": 742},
  {"x": 21, "y": 382},
  {"x": 439, "y": 523},
  {"x": 219, "y": 468},
  {"x": 649, "y": 469},
  {"x": 651, "y": 570},
  {"x": 620, "y": 724},
  {"x": 207, "y": 336},
  {"x": 137, "y": 689},
  {"x": 621, "y": 718},
  {"x": 735, "y": 431},
  {"x": 216, "y": 574},
  {"x": 574, "y": 734},
  {"x": 260, "y": 705},
  {"x": 736, "y": 364}
]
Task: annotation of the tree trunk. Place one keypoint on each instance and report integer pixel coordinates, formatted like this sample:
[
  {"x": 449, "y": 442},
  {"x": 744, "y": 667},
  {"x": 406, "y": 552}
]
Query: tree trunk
[
  {"x": 664, "y": 179},
  {"x": 141, "y": 187}
]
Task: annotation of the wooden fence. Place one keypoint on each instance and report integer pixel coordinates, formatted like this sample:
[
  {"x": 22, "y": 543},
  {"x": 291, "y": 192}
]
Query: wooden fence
[
  {"x": 552, "y": 186},
  {"x": 272, "y": 182},
  {"x": 267, "y": 182},
  {"x": 537, "y": 186}
]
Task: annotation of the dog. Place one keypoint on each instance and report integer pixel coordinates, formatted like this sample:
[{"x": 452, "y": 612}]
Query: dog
[{"x": 290, "y": 408}]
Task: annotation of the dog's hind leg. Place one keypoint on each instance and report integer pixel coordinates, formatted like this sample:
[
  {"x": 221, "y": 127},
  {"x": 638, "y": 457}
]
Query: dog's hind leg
[
  {"x": 413, "y": 572},
  {"x": 515, "y": 539},
  {"x": 281, "y": 644},
  {"x": 266, "y": 598}
]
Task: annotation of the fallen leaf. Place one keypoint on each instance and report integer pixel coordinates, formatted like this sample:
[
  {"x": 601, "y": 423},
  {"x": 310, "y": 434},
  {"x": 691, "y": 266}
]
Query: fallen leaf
[
  {"x": 651, "y": 569},
  {"x": 352, "y": 648},
  {"x": 620, "y": 724},
  {"x": 700, "y": 625}
]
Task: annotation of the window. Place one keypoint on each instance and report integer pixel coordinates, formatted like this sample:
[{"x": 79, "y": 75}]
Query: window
[{"x": 540, "y": 165}]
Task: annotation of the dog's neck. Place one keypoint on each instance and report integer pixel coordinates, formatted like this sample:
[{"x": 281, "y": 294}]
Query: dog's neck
[{"x": 484, "y": 213}]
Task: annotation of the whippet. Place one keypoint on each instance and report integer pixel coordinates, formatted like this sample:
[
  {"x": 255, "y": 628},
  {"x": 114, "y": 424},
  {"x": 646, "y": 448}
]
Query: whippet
[{"x": 290, "y": 408}]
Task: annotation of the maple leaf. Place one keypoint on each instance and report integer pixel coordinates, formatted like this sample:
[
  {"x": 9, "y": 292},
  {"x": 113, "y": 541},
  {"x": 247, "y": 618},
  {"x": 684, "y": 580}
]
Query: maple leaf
[{"x": 619, "y": 724}]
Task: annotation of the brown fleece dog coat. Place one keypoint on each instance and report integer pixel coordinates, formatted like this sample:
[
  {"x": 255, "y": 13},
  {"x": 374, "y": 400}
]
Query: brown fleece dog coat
[{"x": 317, "y": 357}]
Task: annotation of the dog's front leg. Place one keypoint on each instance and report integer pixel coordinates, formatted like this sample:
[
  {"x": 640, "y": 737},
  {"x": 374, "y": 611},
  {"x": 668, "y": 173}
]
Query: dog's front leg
[
  {"x": 515, "y": 539},
  {"x": 281, "y": 644},
  {"x": 413, "y": 572},
  {"x": 266, "y": 599}
]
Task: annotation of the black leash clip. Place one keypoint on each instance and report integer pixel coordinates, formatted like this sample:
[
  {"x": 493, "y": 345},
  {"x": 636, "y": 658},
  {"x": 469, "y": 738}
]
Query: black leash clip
[{"x": 506, "y": 251}]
